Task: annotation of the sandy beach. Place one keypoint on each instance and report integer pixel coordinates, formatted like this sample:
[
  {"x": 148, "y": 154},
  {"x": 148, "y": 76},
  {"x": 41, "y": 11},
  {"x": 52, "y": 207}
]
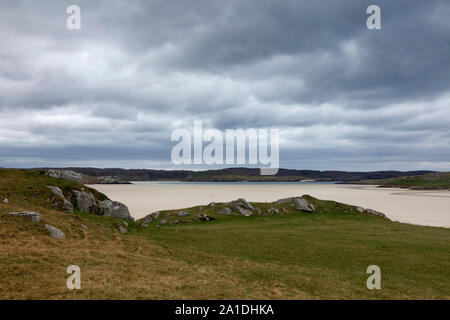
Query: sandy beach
[{"x": 430, "y": 208}]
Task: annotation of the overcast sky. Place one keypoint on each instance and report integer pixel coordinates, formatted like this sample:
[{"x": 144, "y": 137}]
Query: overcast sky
[{"x": 110, "y": 95}]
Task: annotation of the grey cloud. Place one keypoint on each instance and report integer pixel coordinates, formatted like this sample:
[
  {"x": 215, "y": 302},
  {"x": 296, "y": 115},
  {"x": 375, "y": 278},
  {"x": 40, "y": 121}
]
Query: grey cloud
[{"x": 115, "y": 90}]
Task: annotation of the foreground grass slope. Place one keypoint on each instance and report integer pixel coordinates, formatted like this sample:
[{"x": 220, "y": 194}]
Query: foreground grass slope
[{"x": 288, "y": 256}]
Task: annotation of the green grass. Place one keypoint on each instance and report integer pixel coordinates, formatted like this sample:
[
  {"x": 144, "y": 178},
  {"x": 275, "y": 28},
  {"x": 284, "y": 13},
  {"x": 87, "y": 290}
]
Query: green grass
[{"x": 325, "y": 254}]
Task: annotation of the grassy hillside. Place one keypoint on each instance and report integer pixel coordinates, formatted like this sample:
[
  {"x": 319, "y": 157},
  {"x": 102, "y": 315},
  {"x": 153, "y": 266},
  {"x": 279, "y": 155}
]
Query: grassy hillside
[
  {"x": 291, "y": 255},
  {"x": 438, "y": 180},
  {"x": 237, "y": 174},
  {"x": 430, "y": 181}
]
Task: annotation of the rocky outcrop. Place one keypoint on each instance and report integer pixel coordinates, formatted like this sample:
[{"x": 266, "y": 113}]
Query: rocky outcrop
[
  {"x": 181, "y": 214},
  {"x": 204, "y": 217},
  {"x": 242, "y": 206},
  {"x": 149, "y": 218},
  {"x": 60, "y": 200},
  {"x": 116, "y": 209},
  {"x": 298, "y": 203},
  {"x": 55, "y": 232},
  {"x": 273, "y": 210},
  {"x": 85, "y": 201},
  {"x": 34, "y": 216},
  {"x": 372, "y": 212},
  {"x": 65, "y": 174},
  {"x": 225, "y": 211},
  {"x": 57, "y": 191}
]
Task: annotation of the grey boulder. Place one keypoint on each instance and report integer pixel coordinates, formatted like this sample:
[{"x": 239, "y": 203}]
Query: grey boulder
[
  {"x": 182, "y": 214},
  {"x": 62, "y": 202},
  {"x": 372, "y": 212},
  {"x": 34, "y": 216},
  {"x": 66, "y": 175},
  {"x": 85, "y": 201},
  {"x": 122, "y": 229},
  {"x": 55, "y": 232},
  {"x": 298, "y": 203},
  {"x": 242, "y": 206},
  {"x": 117, "y": 209},
  {"x": 225, "y": 211}
]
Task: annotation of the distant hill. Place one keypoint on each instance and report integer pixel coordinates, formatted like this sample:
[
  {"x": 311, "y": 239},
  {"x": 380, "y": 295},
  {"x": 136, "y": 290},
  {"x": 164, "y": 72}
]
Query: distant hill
[
  {"x": 431, "y": 181},
  {"x": 239, "y": 174}
]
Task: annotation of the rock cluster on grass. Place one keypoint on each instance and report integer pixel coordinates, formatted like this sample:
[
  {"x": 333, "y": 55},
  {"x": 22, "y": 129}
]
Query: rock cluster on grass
[
  {"x": 273, "y": 210},
  {"x": 60, "y": 200},
  {"x": 372, "y": 212},
  {"x": 149, "y": 218},
  {"x": 34, "y": 216},
  {"x": 225, "y": 211},
  {"x": 242, "y": 207},
  {"x": 204, "y": 217},
  {"x": 298, "y": 203},
  {"x": 86, "y": 202}
]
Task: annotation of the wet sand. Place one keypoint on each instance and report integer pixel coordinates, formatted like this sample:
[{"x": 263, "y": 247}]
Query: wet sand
[{"x": 430, "y": 208}]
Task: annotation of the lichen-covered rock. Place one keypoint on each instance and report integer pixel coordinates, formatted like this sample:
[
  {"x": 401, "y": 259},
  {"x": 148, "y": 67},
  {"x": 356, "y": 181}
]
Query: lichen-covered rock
[
  {"x": 242, "y": 206},
  {"x": 57, "y": 191},
  {"x": 372, "y": 212},
  {"x": 34, "y": 216},
  {"x": 117, "y": 209},
  {"x": 149, "y": 218},
  {"x": 85, "y": 201},
  {"x": 298, "y": 203},
  {"x": 182, "y": 214},
  {"x": 55, "y": 232},
  {"x": 5, "y": 200},
  {"x": 66, "y": 175},
  {"x": 61, "y": 200},
  {"x": 225, "y": 211}
]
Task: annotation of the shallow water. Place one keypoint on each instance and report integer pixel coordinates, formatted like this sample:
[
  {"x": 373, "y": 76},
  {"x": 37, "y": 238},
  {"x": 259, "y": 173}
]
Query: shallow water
[{"x": 411, "y": 206}]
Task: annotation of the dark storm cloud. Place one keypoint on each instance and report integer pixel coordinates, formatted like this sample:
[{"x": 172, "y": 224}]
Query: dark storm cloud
[{"x": 342, "y": 96}]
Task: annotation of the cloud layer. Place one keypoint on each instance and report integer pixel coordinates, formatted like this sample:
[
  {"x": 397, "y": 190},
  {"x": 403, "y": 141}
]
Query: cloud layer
[{"x": 110, "y": 94}]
